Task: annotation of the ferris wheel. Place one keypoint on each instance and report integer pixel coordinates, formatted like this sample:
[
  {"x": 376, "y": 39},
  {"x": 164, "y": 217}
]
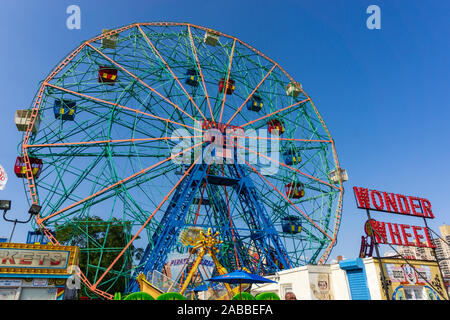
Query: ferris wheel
[{"x": 115, "y": 143}]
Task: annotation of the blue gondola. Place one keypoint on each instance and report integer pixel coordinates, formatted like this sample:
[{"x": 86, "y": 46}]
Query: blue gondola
[
  {"x": 290, "y": 157},
  {"x": 192, "y": 78},
  {"x": 65, "y": 109},
  {"x": 34, "y": 237},
  {"x": 291, "y": 224},
  {"x": 255, "y": 103}
]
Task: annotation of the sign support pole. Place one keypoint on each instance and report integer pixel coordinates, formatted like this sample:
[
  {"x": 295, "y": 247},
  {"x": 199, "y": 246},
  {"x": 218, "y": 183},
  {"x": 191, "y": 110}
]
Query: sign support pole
[
  {"x": 434, "y": 253},
  {"x": 383, "y": 278}
]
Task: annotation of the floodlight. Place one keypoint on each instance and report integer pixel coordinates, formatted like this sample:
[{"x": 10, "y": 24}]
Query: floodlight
[
  {"x": 34, "y": 209},
  {"x": 5, "y": 205}
]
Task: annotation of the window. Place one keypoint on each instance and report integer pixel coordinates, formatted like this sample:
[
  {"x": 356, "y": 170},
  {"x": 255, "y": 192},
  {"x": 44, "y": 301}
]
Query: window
[
  {"x": 414, "y": 293},
  {"x": 285, "y": 288}
]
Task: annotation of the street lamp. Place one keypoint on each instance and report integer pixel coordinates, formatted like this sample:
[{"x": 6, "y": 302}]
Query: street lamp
[{"x": 5, "y": 205}]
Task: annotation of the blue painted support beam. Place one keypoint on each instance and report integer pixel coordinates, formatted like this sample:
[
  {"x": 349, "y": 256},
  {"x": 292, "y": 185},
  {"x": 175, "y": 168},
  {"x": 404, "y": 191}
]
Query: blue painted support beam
[{"x": 165, "y": 236}]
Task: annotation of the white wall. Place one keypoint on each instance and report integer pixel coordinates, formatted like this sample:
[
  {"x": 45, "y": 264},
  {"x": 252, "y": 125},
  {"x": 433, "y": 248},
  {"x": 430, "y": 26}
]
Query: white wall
[
  {"x": 301, "y": 278},
  {"x": 339, "y": 283},
  {"x": 372, "y": 278}
]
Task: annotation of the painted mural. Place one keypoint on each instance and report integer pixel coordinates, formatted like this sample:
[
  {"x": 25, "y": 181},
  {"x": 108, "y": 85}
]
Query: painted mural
[
  {"x": 320, "y": 285},
  {"x": 412, "y": 280}
]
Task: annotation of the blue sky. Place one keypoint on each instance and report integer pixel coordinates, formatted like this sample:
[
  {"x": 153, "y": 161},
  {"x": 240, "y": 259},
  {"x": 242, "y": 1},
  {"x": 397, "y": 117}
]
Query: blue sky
[{"x": 384, "y": 94}]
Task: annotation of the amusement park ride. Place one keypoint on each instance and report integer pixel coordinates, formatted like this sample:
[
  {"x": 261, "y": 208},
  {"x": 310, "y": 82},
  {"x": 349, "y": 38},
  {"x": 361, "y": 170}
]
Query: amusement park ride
[
  {"x": 206, "y": 244},
  {"x": 99, "y": 142}
]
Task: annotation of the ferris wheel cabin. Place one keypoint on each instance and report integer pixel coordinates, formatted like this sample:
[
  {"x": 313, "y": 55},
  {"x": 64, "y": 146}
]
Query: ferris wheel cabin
[
  {"x": 334, "y": 175},
  {"x": 255, "y": 103},
  {"x": 291, "y": 224},
  {"x": 293, "y": 89},
  {"x": 291, "y": 157},
  {"x": 20, "y": 168},
  {"x": 65, "y": 109},
  {"x": 109, "y": 41},
  {"x": 22, "y": 119},
  {"x": 231, "y": 86},
  {"x": 295, "y": 190},
  {"x": 192, "y": 78},
  {"x": 211, "y": 38},
  {"x": 107, "y": 75},
  {"x": 275, "y": 124}
]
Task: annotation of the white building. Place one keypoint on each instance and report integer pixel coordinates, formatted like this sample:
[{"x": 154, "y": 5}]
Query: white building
[
  {"x": 360, "y": 279},
  {"x": 311, "y": 282}
]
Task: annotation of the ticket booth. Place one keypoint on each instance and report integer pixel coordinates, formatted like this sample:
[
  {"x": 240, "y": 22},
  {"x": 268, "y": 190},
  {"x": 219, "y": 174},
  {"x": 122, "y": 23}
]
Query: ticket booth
[{"x": 37, "y": 271}]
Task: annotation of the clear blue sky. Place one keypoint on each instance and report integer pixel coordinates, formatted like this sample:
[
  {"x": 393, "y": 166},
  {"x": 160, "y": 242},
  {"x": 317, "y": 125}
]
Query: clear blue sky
[{"x": 384, "y": 94}]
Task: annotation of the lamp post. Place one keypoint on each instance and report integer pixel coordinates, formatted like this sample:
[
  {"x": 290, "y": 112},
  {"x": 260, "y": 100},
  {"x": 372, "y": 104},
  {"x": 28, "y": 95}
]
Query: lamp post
[{"x": 5, "y": 205}]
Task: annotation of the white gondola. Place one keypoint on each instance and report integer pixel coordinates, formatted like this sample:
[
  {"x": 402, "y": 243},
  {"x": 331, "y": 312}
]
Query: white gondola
[
  {"x": 22, "y": 120},
  {"x": 293, "y": 89},
  {"x": 211, "y": 38},
  {"x": 334, "y": 175},
  {"x": 110, "y": 41}
]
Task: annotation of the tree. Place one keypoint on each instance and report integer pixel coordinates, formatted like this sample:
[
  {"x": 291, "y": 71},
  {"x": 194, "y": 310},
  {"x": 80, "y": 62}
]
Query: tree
[{"x": 100, "y": 242}]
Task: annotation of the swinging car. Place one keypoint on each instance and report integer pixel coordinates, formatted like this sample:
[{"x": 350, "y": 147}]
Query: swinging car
[
  {"x": 275, "y": 124},
  {"x": 20, "y": 168},
  {"x": 22, "y": 119},
  {"x": 64, "y": 109},
  {"x": 230, "y": 88},
  {"x": 109, "y": 41},
  {"x": 295, "y": 190},
  {"x": 107, "y": 75},
  {"x": 192, "y": 78},
  {"x": 290, "y": 157},
  {"x": 293, "y": 89},
  {"x": 291, "y": 224},
  {"x": 255, "y": 103}
]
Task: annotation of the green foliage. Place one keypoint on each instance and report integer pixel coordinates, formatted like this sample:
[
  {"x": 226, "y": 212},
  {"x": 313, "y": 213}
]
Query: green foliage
[
  {"x": 243, "y": 296},
  {"x": 117, "y": 296},
  {"x": 267, "y": 296},
  {"x": 100, "y": 242},
  {"x": 171, "y": 296},
  {"x": 138, "y": 296}
]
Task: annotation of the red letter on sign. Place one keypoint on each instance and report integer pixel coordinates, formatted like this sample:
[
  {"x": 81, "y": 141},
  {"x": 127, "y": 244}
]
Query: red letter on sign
[
  {"x": 415, "y": 206},
  {"x": 26, "y": 259},
  {"x": 363, "y": 197},
  {"x": 55, "y": 260},
  {"x": 389, "y": 198},
  {"x": 418, "y": 236},
  {"x": 9, "y": 256},
  {"x": 379, "y": 229},
  {"x": 427, "y": 235},
  {"x": 426, "y": 205},
  {"x": 378, "y": 206},
  {"x": 405, "y": 202},
  {"x": 406, "y": 235},
  {"x": 395, "y": 235}
]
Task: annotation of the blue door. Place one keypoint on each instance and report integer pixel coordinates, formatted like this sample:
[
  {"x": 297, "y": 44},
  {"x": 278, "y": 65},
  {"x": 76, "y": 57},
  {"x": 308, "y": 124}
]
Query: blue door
[{"x": 356, "y": 277}]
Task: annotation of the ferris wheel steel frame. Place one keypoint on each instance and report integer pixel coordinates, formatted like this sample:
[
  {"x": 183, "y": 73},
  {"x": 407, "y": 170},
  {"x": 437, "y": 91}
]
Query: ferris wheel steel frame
[{"x": 25, "y": 147}]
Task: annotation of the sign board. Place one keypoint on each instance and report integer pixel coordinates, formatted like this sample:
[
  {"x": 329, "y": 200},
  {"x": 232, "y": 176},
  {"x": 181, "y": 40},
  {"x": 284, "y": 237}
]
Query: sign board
[
  {"x": 401, "y": 234},
  {"x": 3, "y": 178},
  {"x": 393, "y": 203},
  {"x": 412, "y": 280},
  {"x": 393, "y": 233},
  {"x": 18, "y": 258},
  {"x": 10, "y": 283}
]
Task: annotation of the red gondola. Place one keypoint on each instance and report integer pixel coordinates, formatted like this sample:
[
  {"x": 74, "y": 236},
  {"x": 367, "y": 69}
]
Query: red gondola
[
  {"x": 231, "y": 85},
  {"x": 275, "y": 124},
  {"x": 20, "y": 168},
  {"x": 295, "y": 190},
  {"x": 107, "y": 75}
]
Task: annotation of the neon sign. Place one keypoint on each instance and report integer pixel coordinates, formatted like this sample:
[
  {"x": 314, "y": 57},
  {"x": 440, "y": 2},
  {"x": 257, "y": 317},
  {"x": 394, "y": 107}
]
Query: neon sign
[
  {"x": 401, "y": 234},
  {"x": 392, "y": 203}
]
